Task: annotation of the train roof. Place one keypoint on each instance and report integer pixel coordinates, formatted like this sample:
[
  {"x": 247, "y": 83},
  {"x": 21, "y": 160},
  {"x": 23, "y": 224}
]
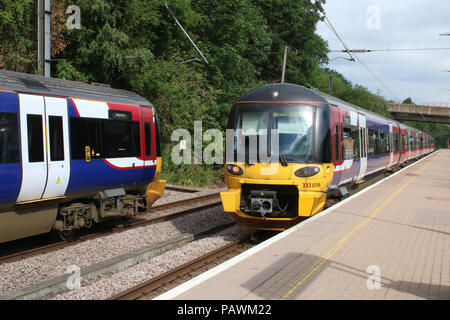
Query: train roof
[
  {"x": 339, "y": 102},
  {"x": 35, "y": 84},
  {"x": 294, "y": 92},
  {"x": 284, "y": 92}
]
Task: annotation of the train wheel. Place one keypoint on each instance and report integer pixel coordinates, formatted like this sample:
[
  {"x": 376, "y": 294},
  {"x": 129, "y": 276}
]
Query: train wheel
[
  {"x": 120, "y": 222},
  {"x": 66, "y": 235}
]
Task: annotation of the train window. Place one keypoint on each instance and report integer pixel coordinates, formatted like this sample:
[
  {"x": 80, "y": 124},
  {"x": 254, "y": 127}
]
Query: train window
[
  {"x": 35, "y": 138},
  {"x": 9, "y": 138},
  {"x": 355, "y": 136},
  {"x": 254, "y": 123},
  {"x": 79, "y": 138},
  {"x": 372, "y": 142},
  {"x": 120, "y": 139},
  {"x": 404, "y": 142},
  {"x": 363, "y": 142},
  {"x": 347, "y": 143},
  {"x": 84, "y": 132},
  {"x": 336, "y": 139},
  {"x": 158, "y": 137},
  {"x": 411, "y": 143},
  {"x": 148, "y": 139},
  {"x": 381, "y": 145},
  {"x": 56, "y": 138},
  {"x": 387, "y": 142},
  {"x": 396, "y": 142}
]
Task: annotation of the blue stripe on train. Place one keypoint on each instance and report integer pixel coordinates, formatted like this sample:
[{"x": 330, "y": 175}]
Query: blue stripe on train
[
  {"x": 11, "y": 180},
  {"x": 72, "y": 112},
  {"x": 9, "y": 102},
  {"x": 376, "y": 163},
  {"x": 97, "y": 175},
  {"x": 10, "y": 173},
  {"x": 352, "y": 173}
]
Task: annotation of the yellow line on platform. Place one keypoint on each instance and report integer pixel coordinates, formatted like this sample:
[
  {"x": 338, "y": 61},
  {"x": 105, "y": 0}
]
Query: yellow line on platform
[{"x": 347, "y": 236}]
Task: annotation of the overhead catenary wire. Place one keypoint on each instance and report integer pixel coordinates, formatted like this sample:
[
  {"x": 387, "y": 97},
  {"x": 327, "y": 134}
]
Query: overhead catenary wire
[
  {"x": 186, "y": 34},
  {"x": 348, "y": 51},
  {"x": 330, "y": 25},
  {"x": 388, "y": 50},
  {"x": 197, "y": 36},
  {"x": 376, "y": 78}
]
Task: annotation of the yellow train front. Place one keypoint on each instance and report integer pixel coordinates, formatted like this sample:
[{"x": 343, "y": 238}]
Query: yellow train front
[{"x": 279, "y": 157}]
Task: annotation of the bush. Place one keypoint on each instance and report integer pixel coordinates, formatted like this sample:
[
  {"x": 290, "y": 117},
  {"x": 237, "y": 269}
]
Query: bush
[{"x": 197, "y": 175}]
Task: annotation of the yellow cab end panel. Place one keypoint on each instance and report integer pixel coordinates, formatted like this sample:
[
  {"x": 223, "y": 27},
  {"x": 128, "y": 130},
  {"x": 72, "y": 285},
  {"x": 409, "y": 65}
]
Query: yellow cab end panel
[
  {"x": 231, "y": 199},
  {"x": 155, "y": 190}
]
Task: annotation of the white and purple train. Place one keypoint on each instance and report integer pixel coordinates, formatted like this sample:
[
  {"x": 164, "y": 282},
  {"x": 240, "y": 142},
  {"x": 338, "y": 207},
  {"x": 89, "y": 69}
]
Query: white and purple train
[{"x": 326, "y": 145}]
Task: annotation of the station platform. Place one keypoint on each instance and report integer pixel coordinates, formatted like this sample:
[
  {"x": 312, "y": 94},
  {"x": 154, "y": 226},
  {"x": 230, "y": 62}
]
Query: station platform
[{"x": 389, "y": 241}]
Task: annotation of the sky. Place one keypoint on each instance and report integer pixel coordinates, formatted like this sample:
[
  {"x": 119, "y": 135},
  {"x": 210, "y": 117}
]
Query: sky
[{"x": 393, "y": 24}]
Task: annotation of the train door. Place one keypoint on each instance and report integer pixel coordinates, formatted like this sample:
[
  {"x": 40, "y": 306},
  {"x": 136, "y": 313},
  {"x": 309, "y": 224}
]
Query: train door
[
  {"x": 44, "y": 144},
  {"x": 362, "y": 146},
  {"x": 390, "y": 145},
  {"x": 408, "y": 135},
  {"x": 58, "y": 156},
  {"x": 34, "y": 164},
  {"x": 417, "y": 144},
  {"x": 149, "y": 135},
  {"x": 337, "y": 149}
]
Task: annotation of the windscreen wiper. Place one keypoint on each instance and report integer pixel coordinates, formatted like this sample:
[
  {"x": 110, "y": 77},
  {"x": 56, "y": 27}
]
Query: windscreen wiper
[{"x": 283, "y": 160}]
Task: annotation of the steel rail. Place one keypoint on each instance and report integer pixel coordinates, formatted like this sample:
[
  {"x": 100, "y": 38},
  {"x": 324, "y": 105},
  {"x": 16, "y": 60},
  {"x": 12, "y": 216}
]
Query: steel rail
[
  {"x": 169, "y": 276},
  {"x": 192, "y": 204}
]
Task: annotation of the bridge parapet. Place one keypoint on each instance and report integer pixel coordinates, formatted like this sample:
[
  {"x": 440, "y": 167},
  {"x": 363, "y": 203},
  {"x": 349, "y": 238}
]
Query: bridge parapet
[{"x": 423, "y": 113}]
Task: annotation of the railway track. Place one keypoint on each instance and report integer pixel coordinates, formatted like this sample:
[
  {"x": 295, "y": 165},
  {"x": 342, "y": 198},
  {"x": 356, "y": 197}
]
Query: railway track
[
  {"x": 150, "y": 288},
  {"x": 159, "y": 213},
  {"x": 163, "y": 212}
]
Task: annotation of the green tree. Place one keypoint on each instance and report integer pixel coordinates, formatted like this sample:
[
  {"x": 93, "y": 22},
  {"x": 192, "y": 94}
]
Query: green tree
[
  {"x": 293, "y": 23},
  {"x": 408, "y": 101},
  {"x": 17, "y": 35}
]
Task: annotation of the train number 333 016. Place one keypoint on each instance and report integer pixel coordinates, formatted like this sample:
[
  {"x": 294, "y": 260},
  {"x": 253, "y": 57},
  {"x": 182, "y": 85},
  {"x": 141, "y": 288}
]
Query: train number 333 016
[{"x": 311, "y": 184}]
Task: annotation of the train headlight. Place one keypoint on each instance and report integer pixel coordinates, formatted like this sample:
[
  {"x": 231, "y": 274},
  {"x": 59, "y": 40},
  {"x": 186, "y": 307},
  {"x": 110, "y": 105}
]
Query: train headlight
[
  {"x": 307, "y": 172},
  {"x": 234, "y": 169}
]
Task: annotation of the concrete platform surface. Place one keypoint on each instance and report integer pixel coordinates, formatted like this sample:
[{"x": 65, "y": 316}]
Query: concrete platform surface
[{"x": 389, "y": 241}]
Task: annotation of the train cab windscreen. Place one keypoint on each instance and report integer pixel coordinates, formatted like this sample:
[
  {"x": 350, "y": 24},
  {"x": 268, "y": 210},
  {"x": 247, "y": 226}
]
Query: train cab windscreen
[{"x": 293, "y": 128}]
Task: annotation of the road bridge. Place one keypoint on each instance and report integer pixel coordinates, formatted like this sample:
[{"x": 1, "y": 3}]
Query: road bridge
[{"x": 421, "y": 113}]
